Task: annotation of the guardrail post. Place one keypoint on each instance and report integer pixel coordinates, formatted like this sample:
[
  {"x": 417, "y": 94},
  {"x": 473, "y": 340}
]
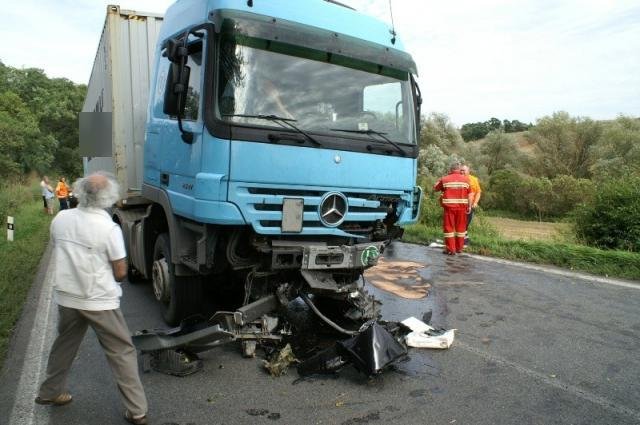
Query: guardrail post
[{"x": 10, "y": 228}]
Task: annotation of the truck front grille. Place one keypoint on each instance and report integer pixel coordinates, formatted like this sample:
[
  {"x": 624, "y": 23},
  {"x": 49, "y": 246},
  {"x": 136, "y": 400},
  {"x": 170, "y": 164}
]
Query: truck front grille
[{"x": 262, "y": 207}]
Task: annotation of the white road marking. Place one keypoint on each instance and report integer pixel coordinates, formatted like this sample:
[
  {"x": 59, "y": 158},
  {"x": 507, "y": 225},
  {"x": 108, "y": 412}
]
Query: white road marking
[
  {"x": 25, "y": 411},
  {"x": 565, "y": 273},
  {"x": 603, "y": 402}
]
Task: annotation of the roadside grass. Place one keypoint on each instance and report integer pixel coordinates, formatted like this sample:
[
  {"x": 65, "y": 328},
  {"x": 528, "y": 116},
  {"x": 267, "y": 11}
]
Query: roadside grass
[
  {"x": 486, "y": 240},
  {"x": 20, "y": 258},
  {"x": 513, "y": 229}
]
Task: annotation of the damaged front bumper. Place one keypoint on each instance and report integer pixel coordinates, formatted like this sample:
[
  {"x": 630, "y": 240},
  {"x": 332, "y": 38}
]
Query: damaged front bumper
[{"x": 360, "y": 256}]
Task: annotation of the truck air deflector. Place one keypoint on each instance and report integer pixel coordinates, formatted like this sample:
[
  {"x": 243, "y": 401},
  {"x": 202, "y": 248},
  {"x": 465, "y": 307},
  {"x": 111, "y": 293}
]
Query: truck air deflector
[{"x": 280, "y": 34}]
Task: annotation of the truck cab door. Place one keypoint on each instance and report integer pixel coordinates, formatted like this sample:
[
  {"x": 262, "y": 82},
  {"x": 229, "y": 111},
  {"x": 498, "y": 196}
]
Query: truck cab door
[{"x": 171, "y": 162}]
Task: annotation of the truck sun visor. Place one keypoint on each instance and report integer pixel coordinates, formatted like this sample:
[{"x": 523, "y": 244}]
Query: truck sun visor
[{"x": 320, "y": 44}]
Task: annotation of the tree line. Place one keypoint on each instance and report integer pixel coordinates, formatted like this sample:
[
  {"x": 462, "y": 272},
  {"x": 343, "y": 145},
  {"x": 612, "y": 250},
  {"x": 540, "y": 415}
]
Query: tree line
[
  {"x": 38, "y": 123},
  {"x": 562, "y": 167},
  {"x": 478, "y": 130}
]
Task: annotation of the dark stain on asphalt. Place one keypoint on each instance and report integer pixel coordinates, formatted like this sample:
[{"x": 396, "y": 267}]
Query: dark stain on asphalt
[
  {"x": 274, "y": 416},
  {"x": 437, "y": 390},
  {"x": 418, "y": 393},
  {"x": 369, "y": 417},
  {"x": 419, "y": 364},
  {"x": 257, "y": 412},
  {"x": 491, "y": 367},
  {"x": 613, "y": 369}
]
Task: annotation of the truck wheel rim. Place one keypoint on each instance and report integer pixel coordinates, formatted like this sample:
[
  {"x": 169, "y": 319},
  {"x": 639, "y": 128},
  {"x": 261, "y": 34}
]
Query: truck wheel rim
[{"x": 160, "y": 274}]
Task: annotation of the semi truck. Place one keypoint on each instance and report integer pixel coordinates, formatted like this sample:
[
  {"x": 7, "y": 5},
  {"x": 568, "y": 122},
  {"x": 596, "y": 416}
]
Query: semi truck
[{"x": 263, "y": 147}]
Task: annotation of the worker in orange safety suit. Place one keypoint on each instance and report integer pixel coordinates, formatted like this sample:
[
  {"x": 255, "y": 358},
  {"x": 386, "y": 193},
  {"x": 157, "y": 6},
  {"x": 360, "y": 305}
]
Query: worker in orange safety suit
[{"x": 455, "y": 201}]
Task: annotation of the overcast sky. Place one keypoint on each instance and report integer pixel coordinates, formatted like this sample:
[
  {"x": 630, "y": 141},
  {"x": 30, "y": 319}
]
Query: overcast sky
[{"x": 515, "y": 59}]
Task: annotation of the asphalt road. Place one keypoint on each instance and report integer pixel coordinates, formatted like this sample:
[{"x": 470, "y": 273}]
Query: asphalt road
[{"x": 533, "y": 345}]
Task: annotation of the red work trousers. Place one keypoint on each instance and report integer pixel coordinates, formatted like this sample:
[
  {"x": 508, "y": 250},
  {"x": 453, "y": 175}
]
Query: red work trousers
[{"x": 454, "y": 225}]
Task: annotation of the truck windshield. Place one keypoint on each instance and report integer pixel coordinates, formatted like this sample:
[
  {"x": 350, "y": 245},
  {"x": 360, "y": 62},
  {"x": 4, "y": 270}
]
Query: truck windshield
[{"x": 321, "y": 97}]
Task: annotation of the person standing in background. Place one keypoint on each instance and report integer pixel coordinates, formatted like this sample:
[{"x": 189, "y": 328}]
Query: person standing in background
[
  {"x": 474, "y": 198},
  {"x": 62, "y": 193},
  {"x": 455, "y": 202},
  {"x": 47, "y": 195}
]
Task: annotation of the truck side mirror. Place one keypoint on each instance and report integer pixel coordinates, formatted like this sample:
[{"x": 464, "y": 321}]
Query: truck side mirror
[
  {"x": 176, "y": 90},
  {"x": 175, "y": 50}
]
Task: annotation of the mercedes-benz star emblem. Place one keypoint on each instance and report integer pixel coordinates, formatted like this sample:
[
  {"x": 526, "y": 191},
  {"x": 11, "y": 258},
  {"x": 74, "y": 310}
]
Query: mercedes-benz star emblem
[
  {"x": 333, "y": 209},
  {"x": 337, "y": 159}
]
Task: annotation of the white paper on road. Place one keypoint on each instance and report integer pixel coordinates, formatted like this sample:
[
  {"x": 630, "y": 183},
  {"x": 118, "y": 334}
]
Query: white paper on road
[
  {"x": 416, "y": 325},
  {"x": 425, "y": 336}
]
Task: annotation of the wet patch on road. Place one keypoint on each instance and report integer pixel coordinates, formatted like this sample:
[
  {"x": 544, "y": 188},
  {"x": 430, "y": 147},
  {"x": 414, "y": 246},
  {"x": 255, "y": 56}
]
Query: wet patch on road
[
  {"x": 369, "y": 417},
  {"x": 400, "y": 278},
  {"x": 274, "y": 416}
]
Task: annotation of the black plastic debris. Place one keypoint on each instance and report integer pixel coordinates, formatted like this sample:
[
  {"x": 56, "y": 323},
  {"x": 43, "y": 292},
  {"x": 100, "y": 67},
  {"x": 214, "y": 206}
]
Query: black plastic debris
[
  {"x": 373, "y": 349},
  {"x": 327, "y": 361}
]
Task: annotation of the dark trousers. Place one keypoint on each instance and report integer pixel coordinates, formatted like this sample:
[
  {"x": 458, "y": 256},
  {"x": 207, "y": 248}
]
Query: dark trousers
[
  {"x": 63, "y": 203},
  {"x": 469, "y": 218}
]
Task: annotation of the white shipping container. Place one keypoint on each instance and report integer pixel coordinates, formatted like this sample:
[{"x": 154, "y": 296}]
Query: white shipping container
[{"x": 119, "y": 83}]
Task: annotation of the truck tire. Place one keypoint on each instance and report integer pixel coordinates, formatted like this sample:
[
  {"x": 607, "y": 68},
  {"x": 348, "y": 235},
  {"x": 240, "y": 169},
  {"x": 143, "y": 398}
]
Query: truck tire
[{"x": 181, "y": 296}]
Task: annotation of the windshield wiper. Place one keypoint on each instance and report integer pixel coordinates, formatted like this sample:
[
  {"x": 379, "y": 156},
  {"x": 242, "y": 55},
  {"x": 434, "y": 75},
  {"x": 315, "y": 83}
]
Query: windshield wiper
[
  {"x": 284, "y": 122},
  {"x": 372, "y": 132}
]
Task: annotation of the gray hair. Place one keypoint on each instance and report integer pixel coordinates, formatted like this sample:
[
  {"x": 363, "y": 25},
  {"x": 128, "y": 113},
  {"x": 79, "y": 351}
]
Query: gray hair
[
  {"x": 97, "y": 190},
  {"x": 454, "y": 166}
]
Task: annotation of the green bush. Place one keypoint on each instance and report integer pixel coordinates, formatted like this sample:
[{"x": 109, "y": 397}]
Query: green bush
[
  {"x": 612, "y": 219},
  {"x": 538, "y": 197}
]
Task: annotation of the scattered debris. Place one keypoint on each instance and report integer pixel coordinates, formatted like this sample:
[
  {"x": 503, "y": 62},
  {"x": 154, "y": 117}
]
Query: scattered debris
[
  {"x": 426, "y": 336},
  {"x": 274, "y": 416},
  {"x": 176, "y": 362},
  {"x": 370, "y": 351},
  {"x": 279, "y": 364}
]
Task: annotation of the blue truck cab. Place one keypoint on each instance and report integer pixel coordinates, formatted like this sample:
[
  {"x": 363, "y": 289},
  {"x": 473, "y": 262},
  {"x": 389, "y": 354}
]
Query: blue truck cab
[{"x": 280, "y": 154}]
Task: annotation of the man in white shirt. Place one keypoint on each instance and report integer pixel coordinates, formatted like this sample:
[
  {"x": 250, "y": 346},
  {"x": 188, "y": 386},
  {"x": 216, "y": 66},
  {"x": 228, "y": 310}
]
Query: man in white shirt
[
  {"x": 89, "y": 261},
  {"x": 47, "y": 195}
]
